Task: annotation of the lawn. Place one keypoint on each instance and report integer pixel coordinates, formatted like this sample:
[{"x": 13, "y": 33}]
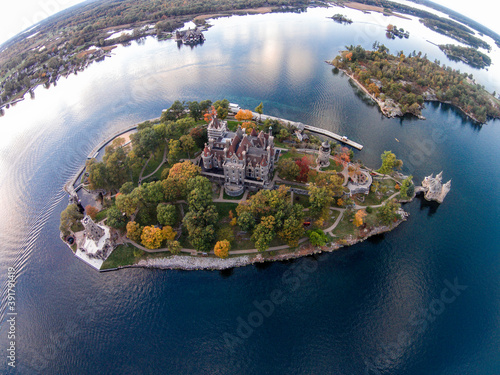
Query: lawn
[
  {"x": 232, "y": 198},
  {"x": 223, "y": 209},
  {"x": 155, "y": 160},
  {"x": 333, "y": 167},
  {"x": 123, "y": 255},
  {"x": 101, "y": 215}
]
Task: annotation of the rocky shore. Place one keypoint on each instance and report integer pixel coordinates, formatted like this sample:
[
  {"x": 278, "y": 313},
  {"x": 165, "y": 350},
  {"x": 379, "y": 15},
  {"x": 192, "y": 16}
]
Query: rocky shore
[{"x": 188, "y": 263}]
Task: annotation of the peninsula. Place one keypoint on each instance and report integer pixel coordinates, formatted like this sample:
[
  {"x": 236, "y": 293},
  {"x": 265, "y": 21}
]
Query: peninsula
[
  {"x": 215, "y": 187},
  {"x": 401, "y": 84}
]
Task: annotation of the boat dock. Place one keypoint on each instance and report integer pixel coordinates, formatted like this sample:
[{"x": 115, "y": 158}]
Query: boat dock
[{"x": 300, "y": 126}]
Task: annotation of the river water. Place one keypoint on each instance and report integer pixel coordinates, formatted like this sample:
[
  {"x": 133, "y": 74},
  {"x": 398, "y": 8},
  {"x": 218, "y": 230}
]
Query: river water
[{"x": 381, "y": 307}]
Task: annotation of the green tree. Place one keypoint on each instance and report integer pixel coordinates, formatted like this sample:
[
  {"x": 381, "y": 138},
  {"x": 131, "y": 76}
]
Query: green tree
[
  {"x": 320, "y": 200},
  {"x": 128, "y": 203},
  {"x": 187, "y": 144},
  {"x": 387, "y": 214},
  {"x": 389, "y": 162},
  {"x": 70, "y": 216},
  {"x": 195, "y": 110},
  {"x": 246, "y": 221},
  {"x": 175, "y": 111},
  {"x": 174, "y": 151},
  {"x": 293, "y": 228},
  {"x": 260, "y": 109},
  {"x": 174, "y": 247},
  {"x": 115, "y": 218},
  {"x": 405, "y": 190},
  {"x": 263, "y": 233},
  {"x": 167, "y": 214},
  {"x": 127, "y": 187},
  {"x": 287, "y": 169}
]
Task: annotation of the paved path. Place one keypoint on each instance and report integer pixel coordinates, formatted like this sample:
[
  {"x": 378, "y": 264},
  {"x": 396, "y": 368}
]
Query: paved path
[
  {"x": 143, "y": 168},
  {"x": 156, "y": 170}
]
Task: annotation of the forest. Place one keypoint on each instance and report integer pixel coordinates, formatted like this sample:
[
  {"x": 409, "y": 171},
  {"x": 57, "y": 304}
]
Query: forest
[
  {"x": 470, "y": 56},
  {"x": 410, "y": 80}
]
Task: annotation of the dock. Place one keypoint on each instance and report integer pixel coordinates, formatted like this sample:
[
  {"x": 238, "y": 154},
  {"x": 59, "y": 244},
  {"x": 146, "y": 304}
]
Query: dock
[{"x": 300, "y": 126}]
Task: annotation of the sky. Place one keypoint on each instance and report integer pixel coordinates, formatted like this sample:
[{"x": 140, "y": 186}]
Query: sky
[{"x": 17, "y": 16}]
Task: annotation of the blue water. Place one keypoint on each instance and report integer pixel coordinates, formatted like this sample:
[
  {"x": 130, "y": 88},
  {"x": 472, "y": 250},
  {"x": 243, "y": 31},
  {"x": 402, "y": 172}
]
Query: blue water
[{"x": 374, "y": 308}]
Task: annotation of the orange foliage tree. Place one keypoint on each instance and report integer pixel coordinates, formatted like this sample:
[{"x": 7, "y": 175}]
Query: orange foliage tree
[
  {"x": 358, "y": 218},
  {"x": 152, "y": 237},
  {"x": 168, "y": 233},
  {"x": 303, "y": 164},
  {"x": 222, "y": 248},
  {"x": 134, "y": 231},
  {"x": 91, "y": 211},
  {"x": 207, "y": 116},
  {"x": 244, "y": 114}
]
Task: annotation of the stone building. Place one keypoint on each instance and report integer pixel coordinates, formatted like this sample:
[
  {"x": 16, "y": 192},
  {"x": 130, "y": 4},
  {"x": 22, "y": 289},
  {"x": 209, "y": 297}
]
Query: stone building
[
  {"x": 434, "y": 189},
  {"x": 323, "y": 159},
  {"x": 190, "y": 36},
  {"x": 92, "y": 230},
  {"x": 237, "y": 159}
]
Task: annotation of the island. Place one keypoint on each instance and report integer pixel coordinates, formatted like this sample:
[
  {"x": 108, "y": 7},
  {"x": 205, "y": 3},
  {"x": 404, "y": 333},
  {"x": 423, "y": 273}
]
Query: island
[
  {"x": 401, "y": 84},
  {"x": 468, "y": 55},
  {"x": 212, "y": 186},
  {"x": 340, "y": 18}
]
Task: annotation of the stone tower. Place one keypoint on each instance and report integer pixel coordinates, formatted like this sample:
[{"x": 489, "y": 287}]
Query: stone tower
[{"x": 323, "y": 159}]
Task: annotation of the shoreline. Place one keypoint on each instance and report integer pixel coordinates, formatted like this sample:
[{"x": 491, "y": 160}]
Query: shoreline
[
  {"x": 387, "y": 110},
  {"x": 184, "y": 263}
]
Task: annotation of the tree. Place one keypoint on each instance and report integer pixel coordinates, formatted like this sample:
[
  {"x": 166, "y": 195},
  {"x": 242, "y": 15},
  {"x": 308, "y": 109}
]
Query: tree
[
  {"x": 91, "y": 211},
  {"x": 259, "y": 109},
  {"x": 174, "y": 112},
  {"x": 320, "y": 200},
  {"x": 174, "y": 247},
  {"x": 152, "y": 237},
  {"x": 166, "y": 214},
  {"x": 127, "y": 188},
  {"x": 187, "y": 144},
  {"x": 293, "y": 228},
  {"x": 246, "y": 221},
  {"x": 387, "y": 213},
  {"x": 134, "y": 231},
  {"x": 115, "y": 218},
  {"x": 200, "y": 193},
  {"x": 175, "y": 185},
  {"x": 303, "y": 165},
  {"x": 389, "y": 162},
  {"x": 358, "y": 218},
  {"x": 222, "y": 248},
  {"x": 287, "y": 169},
  {"x": 174, "y": 151},
  {"x": 168, "y": 233},
  {"x": 244, "y": 115},
  {"x": 98, "y": 174},
  {"x": 407, "y": 188},
  {"x": 128, "y": 203},
  {"x": 70, "y": 216},
  {"x": 263, "y": 233},
  {"x": 317, "y": 237},
  {"x": 194, "y": 110},
  {"x": 152, "y": 192},
  {"x": 225, "y": 233},
  {"x": 222, "y": 108}
]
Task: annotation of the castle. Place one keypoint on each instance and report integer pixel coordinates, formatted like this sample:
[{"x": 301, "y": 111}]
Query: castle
[
  {"x": 434, "y": 189},
  {"x": 237, "y": 159}
]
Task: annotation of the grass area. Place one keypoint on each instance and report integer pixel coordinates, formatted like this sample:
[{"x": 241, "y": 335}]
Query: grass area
[
  {"x": 223, "y": 209},
  {"x": 101, "y": 215},
  {"x": 155, "y": 160},
  {"x": 232, "y": 125},
  {"x": 77, "y": 227},
  {"x": 344, "y": 228},
  {"x": 333, "y": 167},
  {"x": 123, "y": 255},
  {"x": 301, "y": 199}
]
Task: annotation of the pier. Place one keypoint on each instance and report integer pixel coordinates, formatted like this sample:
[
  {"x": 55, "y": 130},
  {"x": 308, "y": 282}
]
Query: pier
[{"x": 300, "y": 126}]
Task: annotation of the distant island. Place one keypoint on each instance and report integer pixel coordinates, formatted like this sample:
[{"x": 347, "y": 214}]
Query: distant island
[
  {"x": 340, "y": 18},
  {"x": 216, "y": 187},
  {"x": 401, "y": 84},
  {"x": 468, "y": 55}
]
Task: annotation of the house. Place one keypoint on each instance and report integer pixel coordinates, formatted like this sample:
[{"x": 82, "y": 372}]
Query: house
[
  {"x": 190, "y": 36},
  {"x": 238, "y": 160}
]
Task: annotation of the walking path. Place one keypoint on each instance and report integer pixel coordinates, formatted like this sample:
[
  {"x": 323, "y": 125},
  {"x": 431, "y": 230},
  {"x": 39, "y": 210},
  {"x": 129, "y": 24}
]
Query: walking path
[{"x": 156, "y": 170}]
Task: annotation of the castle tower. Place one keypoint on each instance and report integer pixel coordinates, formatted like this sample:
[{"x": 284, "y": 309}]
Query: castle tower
[
  {"x": 207, "y": 157},
  {"x": 324, "y": 155}
]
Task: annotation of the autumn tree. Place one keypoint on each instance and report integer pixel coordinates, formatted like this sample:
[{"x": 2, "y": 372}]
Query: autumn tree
[
  {"x": 293, "y": 228},
  {"x": 128, "y": 203},
  {"x": 152, "y": 237},
  {"x": 246, "y": 220},
  {"x": 303, "y": 164},
  {"x": 175, "y": 185},
  {"x": 358, "y": 218},
  {"x": 166, "y": 214},
  {"x": 91, "y": 211},
  {"x": 168, "y": 233},
  {"x": 134, "y": 231},
  {"x": 320, "y": 200},
  {"x": 244, "y": 115},
  {"x": 222, "y": 248},
  {"x": 407, "y": 188},
  {"x": 389, "y": 163}
]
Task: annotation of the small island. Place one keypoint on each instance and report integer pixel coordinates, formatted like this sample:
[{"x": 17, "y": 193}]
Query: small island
[
  {"x": 212, "y": 186},
  {"x": 401, "y": 84},
  {"x": 393, "y": 31},
  {"x": 468, "y": 55},
  {"x": 340, "y": 18}
]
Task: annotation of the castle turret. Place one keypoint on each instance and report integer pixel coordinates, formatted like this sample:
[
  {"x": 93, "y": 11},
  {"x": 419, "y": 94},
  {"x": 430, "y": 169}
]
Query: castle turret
[{"x": 207, "y": 157}]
